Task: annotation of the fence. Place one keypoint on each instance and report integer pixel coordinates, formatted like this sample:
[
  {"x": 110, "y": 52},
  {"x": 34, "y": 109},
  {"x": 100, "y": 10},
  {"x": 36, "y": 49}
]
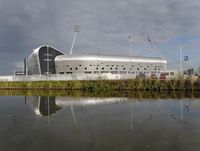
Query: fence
[
  {"x": 83, "y": 76},
  {"x": 64, "y": 77}
]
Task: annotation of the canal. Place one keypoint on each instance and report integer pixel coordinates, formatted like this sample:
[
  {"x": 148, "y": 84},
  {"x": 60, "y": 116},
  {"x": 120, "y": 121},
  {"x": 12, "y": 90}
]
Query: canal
[{"x": 82, "y": 123}]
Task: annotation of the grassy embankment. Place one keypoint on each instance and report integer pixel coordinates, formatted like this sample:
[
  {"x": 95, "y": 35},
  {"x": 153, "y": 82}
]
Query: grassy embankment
[
  {"x": 107, "y": 85},
  {"x": 103, "y": 94}
]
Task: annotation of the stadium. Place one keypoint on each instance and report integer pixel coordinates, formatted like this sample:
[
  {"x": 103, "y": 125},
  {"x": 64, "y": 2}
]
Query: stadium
[{"x": 47, "y": 60}]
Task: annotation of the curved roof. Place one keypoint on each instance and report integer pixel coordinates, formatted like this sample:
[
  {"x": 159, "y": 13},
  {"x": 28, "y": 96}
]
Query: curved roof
[
  {"x": 109, "y": 58},
  {"x": 35, "y": 51}
]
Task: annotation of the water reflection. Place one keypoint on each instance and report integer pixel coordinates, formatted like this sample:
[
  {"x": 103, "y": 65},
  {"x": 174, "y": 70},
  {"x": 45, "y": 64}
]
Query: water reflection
[
  {"x": 92, "y": 123},
  {"x": 42, "y": 105},
  {"x": 48, "y": 105}
]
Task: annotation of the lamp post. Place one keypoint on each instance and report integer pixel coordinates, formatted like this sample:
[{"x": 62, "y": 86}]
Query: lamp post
[
  {"x": 186, "y": 60},
  {"x": 77, "y": 28},
  {"x": 180, "y": 59},
  {"x": 130, "y": 44},
  {"x": 47, "y": 60},
  {"x": 130, "y": 49}
]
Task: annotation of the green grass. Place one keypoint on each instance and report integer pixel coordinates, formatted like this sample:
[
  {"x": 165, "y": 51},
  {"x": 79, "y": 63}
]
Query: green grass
[{"x": 107, "y": 85}]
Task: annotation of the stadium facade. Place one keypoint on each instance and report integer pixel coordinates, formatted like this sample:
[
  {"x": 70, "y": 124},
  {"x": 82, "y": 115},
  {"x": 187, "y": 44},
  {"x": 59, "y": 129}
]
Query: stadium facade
[{"x": 48, "y": 60}]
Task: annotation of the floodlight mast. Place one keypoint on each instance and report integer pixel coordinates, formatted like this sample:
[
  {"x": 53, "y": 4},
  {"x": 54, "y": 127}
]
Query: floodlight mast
[
  {"x": 180, "y": 59},
  {"x": 76, "y": 29},
  {"x": 131, "y": 38}
]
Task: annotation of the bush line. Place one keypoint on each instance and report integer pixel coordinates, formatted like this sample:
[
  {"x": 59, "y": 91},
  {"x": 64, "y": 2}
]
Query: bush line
[{"x": 107, "y": 85}]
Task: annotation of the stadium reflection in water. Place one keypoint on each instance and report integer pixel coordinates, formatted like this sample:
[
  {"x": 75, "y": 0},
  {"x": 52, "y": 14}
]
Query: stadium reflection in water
[
  {"x": 47, "y": 105},
  {"x": 92, "y": 123}
]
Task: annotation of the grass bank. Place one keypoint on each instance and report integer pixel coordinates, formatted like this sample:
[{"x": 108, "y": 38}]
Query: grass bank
[
  {"x": 103, "y": 94},
  {"x": 107, "y": 85}
]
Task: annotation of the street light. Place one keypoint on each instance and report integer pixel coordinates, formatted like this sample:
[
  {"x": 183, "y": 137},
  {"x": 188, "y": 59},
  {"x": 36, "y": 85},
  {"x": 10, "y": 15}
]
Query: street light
[
  {"x": 47, "y": 60},
  {"x": 76, "y": 30},
  {"x": 131, "y": 36},
  {"x": 180, "y": 60},
  {"x": 186, "y": 60}
]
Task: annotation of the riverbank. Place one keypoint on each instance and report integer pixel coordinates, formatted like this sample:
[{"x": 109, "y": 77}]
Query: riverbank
[
  {"x": 107, "y": 85},
  {"x": 103, "y": 94}
]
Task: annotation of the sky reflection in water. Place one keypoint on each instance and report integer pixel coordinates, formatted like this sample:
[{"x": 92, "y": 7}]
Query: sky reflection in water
[{"x": 81, "y": 123}]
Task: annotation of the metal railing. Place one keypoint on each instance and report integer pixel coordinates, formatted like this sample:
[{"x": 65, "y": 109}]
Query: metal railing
[{"x": 61, "y": 77}]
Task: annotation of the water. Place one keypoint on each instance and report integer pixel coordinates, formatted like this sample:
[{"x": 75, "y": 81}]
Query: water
[{"x": 38, "y": 123}]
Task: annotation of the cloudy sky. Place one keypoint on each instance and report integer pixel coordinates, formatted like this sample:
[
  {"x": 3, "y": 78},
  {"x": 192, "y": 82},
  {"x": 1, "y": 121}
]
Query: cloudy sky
[{"x": 104, "y": 28}]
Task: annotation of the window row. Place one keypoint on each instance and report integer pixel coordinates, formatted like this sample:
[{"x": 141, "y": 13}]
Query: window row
[
  {"x": 127, "y": 65},
  {"x": 113, "y": 72},
  {"x": 97, "y": 68}
]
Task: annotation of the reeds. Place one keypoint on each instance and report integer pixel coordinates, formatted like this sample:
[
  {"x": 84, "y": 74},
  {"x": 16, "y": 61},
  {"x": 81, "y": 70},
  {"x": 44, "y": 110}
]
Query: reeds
[{"x": 107, "y": 85}]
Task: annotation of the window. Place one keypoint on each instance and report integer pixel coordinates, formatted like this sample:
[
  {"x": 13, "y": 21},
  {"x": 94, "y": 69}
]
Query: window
[
  {"x": 138, "y": 68},
  {"x": 85, "y": 68},
  {"x": 68, "y": 72},
  {"x": 124, "y": 68},
  {"x": 76, "y": 68},
  {"x": 67, "y": 65},
  {"x": 96, "y": 72},
  {"x": 87, "y": 72},
  {"x": 61, "y": 72},
  {"x": 102, "y": 68},
  {"x": 70, "y": 68},
  {"x": 122, "y": 72},
  {"x": 80, "y": 65},
  {"x": 97, "y": 68},
  {"x": 114, "y": 72},
  {"x": 110, "y": 68}
]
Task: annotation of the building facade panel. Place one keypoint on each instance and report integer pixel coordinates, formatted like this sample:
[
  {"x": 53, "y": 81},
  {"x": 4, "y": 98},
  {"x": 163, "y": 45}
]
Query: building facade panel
[
  {"x": 41, "y": 61},
  {"x": 47, "y": 60},
  {"x": 108, "y": 64}
]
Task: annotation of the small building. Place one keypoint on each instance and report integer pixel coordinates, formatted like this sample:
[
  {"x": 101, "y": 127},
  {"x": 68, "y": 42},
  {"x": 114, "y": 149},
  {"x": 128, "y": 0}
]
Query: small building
[{"x": 169, "y": 74}]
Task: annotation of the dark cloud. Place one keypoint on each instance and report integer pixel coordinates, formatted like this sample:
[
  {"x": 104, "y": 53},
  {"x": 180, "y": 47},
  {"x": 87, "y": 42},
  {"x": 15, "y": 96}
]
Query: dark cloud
[{"x": 105, "y": 26}]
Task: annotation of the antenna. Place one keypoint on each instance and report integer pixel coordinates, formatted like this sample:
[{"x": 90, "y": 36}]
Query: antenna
[{"x": 76, "y": 29}]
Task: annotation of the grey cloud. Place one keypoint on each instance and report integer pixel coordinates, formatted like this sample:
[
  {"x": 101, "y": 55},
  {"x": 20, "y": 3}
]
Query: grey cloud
[{"x": 105, "y": 25}]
